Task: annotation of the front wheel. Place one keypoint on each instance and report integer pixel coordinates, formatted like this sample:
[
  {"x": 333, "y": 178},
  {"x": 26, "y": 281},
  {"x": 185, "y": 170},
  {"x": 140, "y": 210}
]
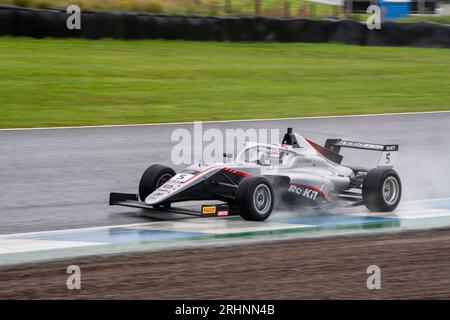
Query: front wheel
[
  {"x": 255, "y": 198},
  {"x": 381, "y": 189},
  {"x": 153, "y": 178}
]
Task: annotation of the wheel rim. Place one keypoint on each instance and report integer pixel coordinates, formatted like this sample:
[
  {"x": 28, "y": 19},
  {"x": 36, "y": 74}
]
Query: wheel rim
[
  {"x": 163, "y": 179},
  {"x": 391, "y": 190},
  {"x": 262, "y": 199}
]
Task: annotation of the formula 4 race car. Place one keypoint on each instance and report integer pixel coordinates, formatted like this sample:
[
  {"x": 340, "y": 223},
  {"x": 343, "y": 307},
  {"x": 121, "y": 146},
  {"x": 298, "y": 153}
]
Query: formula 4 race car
[{"x": 296, "y": 173}]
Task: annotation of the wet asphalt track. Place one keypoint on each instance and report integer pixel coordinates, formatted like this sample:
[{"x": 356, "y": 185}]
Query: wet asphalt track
[{"x": 61, "y": 178}]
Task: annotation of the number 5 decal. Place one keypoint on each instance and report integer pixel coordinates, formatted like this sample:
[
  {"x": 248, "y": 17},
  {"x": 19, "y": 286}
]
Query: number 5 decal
[{"x": 387, "y": 159}]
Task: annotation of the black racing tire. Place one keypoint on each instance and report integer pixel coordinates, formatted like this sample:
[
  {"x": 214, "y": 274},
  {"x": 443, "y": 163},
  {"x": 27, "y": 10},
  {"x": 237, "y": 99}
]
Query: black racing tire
[
  {"x": 255, "y": 198},
  {"x": 152, "y": 178},
  {"x": 381, "y": 189}
]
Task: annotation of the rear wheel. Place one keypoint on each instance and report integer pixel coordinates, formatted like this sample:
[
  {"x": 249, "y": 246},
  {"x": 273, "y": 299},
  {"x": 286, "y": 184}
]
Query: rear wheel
[
  {"x": 381, "y": 189},
  {"x": 152, "y": 178},
  {"x": 255, "y": 198}
]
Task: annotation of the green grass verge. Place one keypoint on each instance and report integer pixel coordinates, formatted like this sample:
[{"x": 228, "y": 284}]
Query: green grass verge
[{"x": 85, "y": 82}]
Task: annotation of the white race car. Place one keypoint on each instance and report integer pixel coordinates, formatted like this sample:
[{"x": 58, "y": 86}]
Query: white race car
[{"x": 295, "y": 173}]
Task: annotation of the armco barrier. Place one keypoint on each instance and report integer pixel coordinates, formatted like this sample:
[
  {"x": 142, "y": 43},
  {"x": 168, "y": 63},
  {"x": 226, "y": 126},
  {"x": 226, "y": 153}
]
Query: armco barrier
[{"x": 16, "y": 21}]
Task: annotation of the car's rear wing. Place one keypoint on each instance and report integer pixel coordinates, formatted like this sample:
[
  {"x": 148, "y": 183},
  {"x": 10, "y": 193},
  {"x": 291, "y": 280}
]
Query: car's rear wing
[{"x": 388, "y": 151}]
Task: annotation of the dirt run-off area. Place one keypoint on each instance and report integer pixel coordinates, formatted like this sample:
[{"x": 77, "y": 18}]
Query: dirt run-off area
[{"x": 414, "y": 264}]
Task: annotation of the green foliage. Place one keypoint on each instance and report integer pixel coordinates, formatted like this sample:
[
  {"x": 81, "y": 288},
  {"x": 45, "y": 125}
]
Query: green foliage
[
  {"x": 146, "y": 7},
  {"x": 22, "y": 3},
  {"x": 42, "y": 4},
  {"x": 445, "y": 19}
]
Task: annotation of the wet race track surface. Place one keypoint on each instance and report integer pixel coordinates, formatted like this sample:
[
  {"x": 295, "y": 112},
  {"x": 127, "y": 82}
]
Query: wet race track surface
[{"x": 60, "y": 178}]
